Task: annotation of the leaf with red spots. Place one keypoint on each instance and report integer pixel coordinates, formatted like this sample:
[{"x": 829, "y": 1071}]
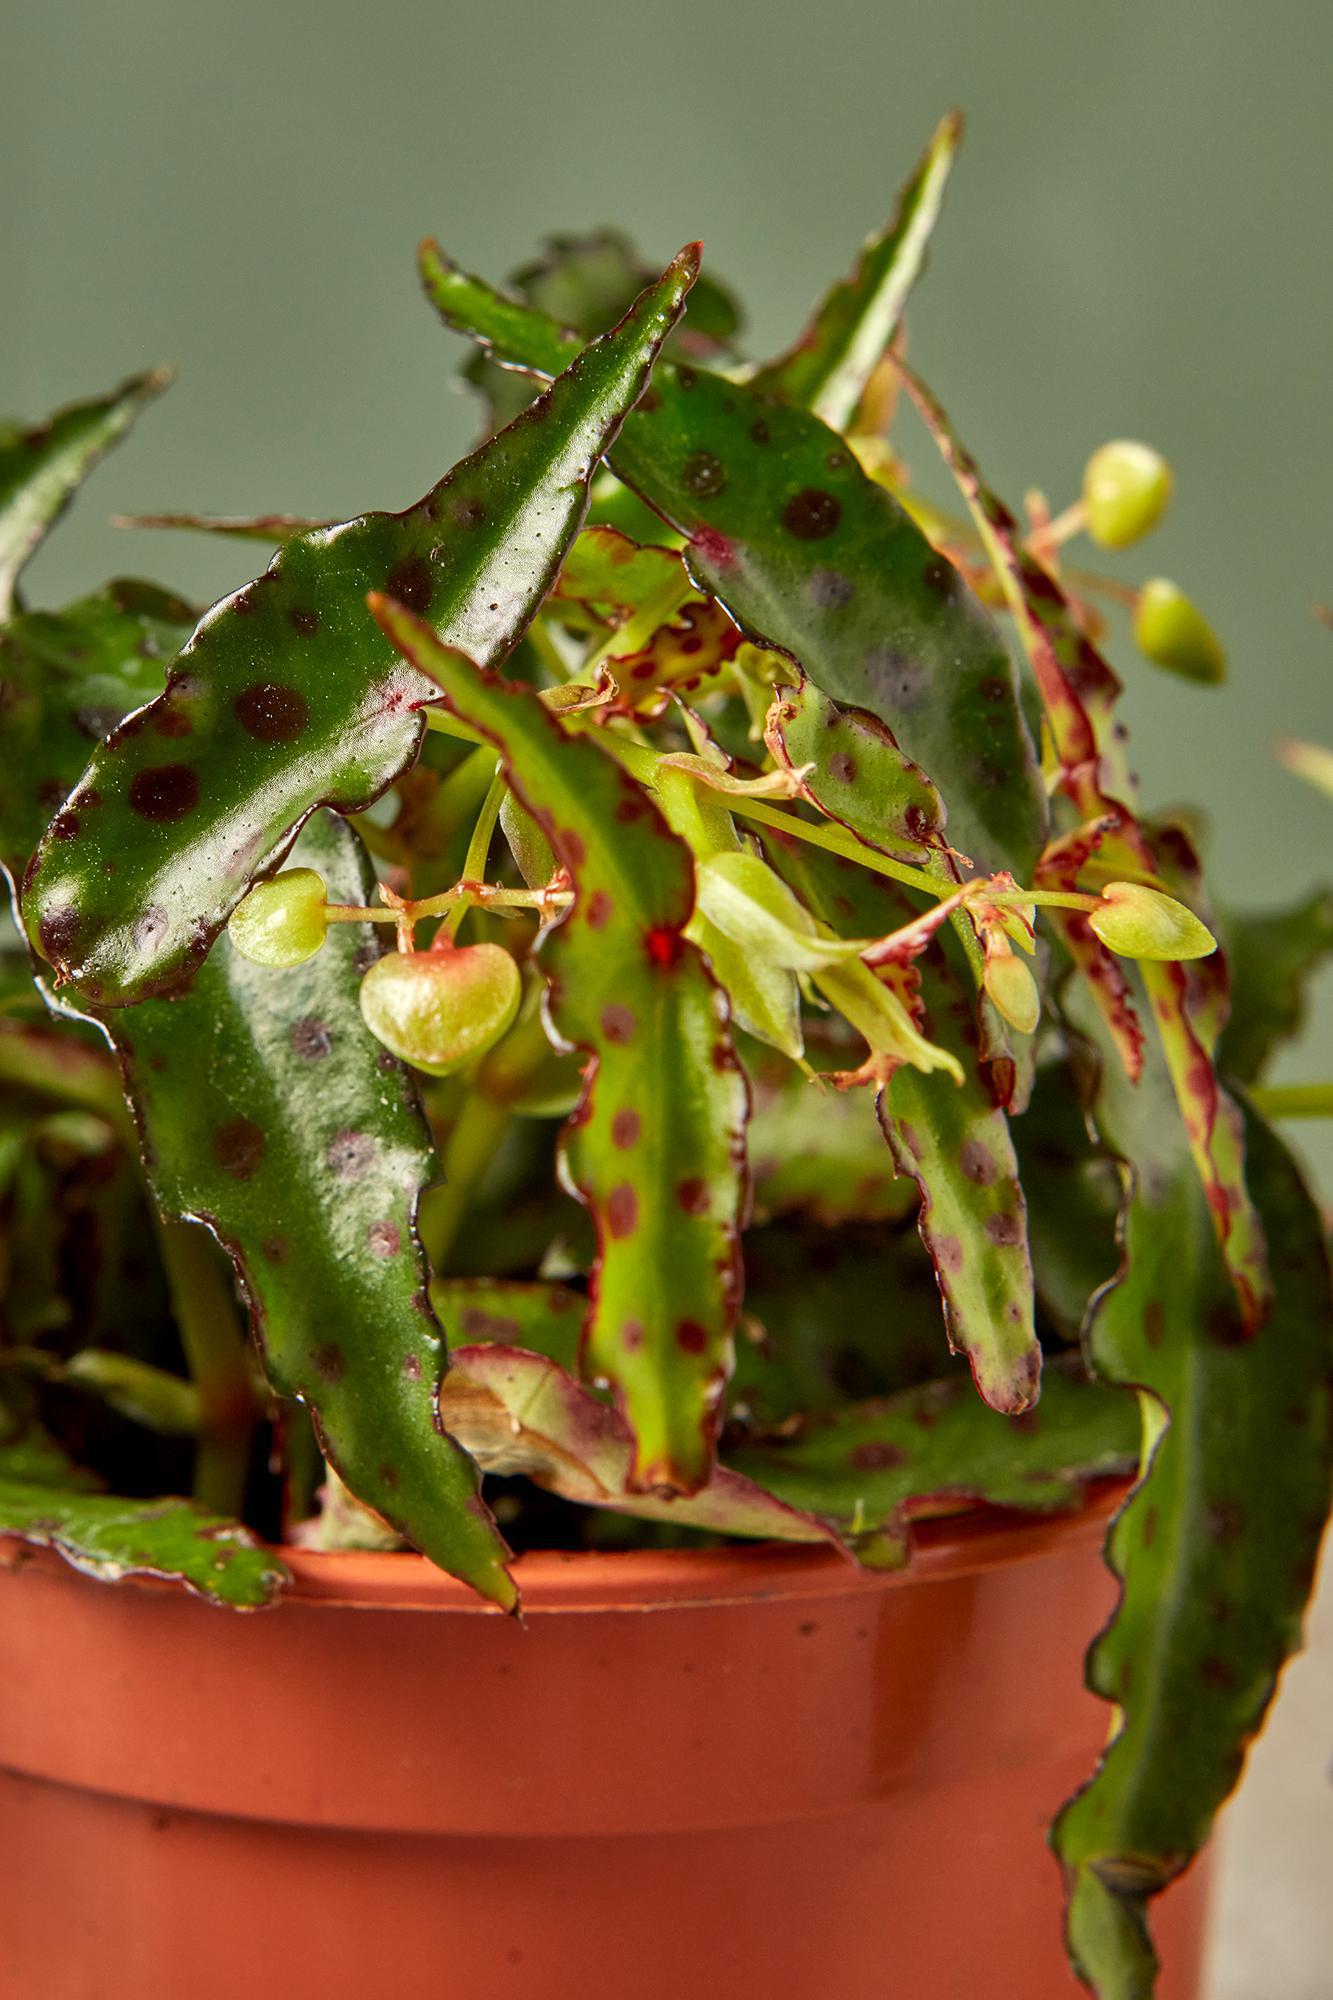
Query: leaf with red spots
[
  {"x": 288, "y": 696},
  {"x": 854, "y": 324},
  {"x": 48, "y": 1501},
  {"x": 171, "y": 1540},
  {"x": 950, "y": 1138},
  {"x": 671, "y": 636},
  {"x": 860, "y": 777},
  {"x": 810, "y": 556},
  {"x": 1189, "y": 1002},
  {"x": 633, "y": 994},
  {"x": 1073, "y": 1197},
  {"x": 41, "y": 468},
  {"x": 1216, "y": 1547},
  {"x": 520, "y": 1412},
  {"x": 543, "y": 1316},
  {"x": 869, "y": 1468},
  {"x": 815, "y": 1151},
  {"x": 815, "y": 1333},
  {"x": 270, "y": 1113}
]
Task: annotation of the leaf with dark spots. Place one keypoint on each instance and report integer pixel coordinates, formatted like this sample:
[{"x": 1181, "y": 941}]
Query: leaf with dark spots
[
  {"x": 288, "y": 696},
  {"x": 629, "y": 992},
  {"x": 520, "y": 1412},
  {"x": 1216, "y": 1547},
  {"x": 810, "y": 556},
  {"x": 860, "y": 777},
  {"x": 270, "y": 1113},
  {"x": 868, "y": 1468},
  {"x": 1189, "y": 1002},
  {"x": 1272, "y": 957},
  {"x": 830, "y": 366},
  {"x": 585, "y": 283},
  {"x": 172, "y": 1540},
  {"x": 42, "y": 467},
  {"x": 545, "y": 1317},
  {"x": 66, "y": 678},
  {"x": 832, "y": 1315},
  {"x": 815, "y": 1151},
  {"x": 1073, "y": 1196},
  {"x": 951, "y": 1139}
]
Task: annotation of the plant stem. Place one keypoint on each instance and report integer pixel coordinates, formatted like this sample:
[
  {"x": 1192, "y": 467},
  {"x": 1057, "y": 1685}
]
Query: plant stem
[
  {"x": 1294, "y": 1100},
  {"x": 478, "y": 851},
  {"x": 475, "y": 1134},
  {"x": 448, "y": 725},
  {"x": 204, "y": 1306}
]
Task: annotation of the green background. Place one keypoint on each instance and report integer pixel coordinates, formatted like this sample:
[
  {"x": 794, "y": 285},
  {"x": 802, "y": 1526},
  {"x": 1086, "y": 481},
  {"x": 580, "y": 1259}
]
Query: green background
[{"x": 1136, "y": 243}]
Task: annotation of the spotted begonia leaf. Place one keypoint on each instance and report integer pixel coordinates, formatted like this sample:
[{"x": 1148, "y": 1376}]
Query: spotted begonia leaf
[
  {"x": 869, "y": 1467},
  {"x": 1073, "y": 1196},
  {"x": 68, "y": 677},
  {"x": 42, "y": 467},
  {"x": 267, "y": 1110},
  {"x": 655, "y": 1148},
  {"x": 815, "y": 1151},
  {"x": 951, "y": 1139},
  {"x": 860, "y": 777},
  {"x": 112, "y": 1538},
  {"x": 1216, "y": 1547},
  {"x": 1272, "y": 958},
  {"x": 830, "y": 366},
  {"x": 541, "y": 1315},
  {"x": 832, "y": 1315},
  {"x": 521, "y": 1412},
  {"x": 49, "y": 1501},
  {"x": 270, "y": 1113},
  {"x": 1189, "y": 1002},
  {"x": 288, "y": 696},
  {"x": 809, "y": 555}
]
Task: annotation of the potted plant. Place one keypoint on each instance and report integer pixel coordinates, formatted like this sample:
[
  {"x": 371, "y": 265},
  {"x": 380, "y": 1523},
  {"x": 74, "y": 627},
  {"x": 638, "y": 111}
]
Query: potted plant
[{"x": 580, "y": 970}]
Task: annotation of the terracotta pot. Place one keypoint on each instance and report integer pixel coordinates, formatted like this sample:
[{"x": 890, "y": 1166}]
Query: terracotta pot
[{"x": 750, "y": 1773}]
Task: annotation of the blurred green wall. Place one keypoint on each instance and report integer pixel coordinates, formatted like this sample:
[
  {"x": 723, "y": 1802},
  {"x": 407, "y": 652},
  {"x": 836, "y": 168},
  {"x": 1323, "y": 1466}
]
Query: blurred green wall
[{"x": 1137, "y": 242}]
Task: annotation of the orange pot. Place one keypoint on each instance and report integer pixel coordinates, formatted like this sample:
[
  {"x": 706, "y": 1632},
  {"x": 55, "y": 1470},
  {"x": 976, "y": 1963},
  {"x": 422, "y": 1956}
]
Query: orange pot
[{"x": 756, "y": 1772}]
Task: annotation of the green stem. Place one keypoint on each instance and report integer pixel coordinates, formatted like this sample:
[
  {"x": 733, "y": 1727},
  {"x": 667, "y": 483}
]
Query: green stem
[
  {"x": 448, "y": 725},
  {"x": 1294, "y": 1100},
  {"x": 473, "y": 1139},
  {"x": 204, "y": 1306},
  {"x": 478, "y": 851}
]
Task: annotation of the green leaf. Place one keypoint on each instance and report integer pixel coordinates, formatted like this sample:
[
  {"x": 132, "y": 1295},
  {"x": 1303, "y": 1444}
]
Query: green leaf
[
  {"x": 69, "y": 677},
  {"x": 41, "y": 468},
  {"x": 659, "y": 1165},
  {"x": 545, "y": 1317},
  {"x": 520, "y": 1412},
  {"x": 809, "y": 555},
  {"x": 288, "y": 696},
  {"x": 110, "y": 1539},
  {"x": 815, "y": 1151},
  {"x": 853, "y": 326},
  {"x": 1189, "y": 1002},
  {"x": 1216, "y": 1547},
  {"x": 270, "y": 1113},
  {"x": 1272, "y": 957},
  {"x": 832, "y": 1315},
  {"x": 860, "y": 777},
  {"x": 866, "y": 1469},
  {"x": 946, "y": 1132},
  {"x": 1073, "y": 1197}
]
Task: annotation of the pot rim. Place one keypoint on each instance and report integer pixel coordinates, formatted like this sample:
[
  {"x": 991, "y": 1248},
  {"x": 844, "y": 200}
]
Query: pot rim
[{"x": 564, "y": 1580}]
